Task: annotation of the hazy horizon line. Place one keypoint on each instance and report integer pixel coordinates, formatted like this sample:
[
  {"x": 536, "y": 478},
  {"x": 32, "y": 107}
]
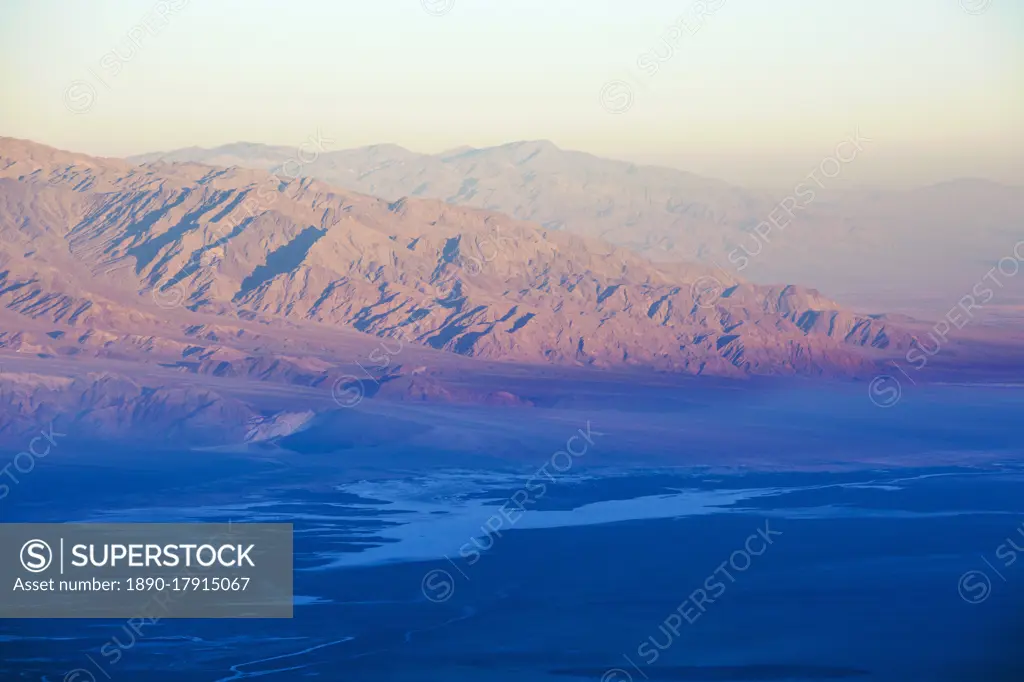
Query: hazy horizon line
[{"x": 639, "y": 162}]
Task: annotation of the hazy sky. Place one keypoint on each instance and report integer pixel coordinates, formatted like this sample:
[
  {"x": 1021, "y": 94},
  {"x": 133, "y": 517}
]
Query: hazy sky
[{"x": 757, "y": 91}]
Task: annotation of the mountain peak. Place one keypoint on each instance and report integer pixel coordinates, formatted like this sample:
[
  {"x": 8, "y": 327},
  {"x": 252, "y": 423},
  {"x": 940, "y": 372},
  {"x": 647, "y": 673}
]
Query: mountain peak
[
  {"x": 388, "y": 149},
  {"x": 534, "y": 146},
  {"x": 28, "y": 156}
]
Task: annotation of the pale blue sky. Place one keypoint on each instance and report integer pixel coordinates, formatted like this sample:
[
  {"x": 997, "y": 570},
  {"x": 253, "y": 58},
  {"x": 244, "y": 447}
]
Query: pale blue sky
[{"x": 762, "y": 90}]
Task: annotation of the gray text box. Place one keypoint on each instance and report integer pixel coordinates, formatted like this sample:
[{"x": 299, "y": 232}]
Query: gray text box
[{"x": 146, "y": 570}]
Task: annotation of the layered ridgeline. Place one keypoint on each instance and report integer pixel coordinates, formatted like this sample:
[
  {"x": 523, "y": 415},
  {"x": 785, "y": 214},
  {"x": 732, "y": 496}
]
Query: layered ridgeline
[
  {"x": 895, "y": 246},
  {"x": 657, "y": 212},
  {"x": 99, "y": 248}
]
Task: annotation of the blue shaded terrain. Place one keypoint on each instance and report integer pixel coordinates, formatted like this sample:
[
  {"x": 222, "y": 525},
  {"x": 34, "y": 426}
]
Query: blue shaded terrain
[{"x": 612, "y": 574}]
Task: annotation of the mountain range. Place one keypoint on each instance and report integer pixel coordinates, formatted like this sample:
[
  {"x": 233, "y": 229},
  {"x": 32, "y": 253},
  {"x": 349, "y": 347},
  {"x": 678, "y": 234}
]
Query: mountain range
[
  {"x": 181, "y": 294},
  {"x": 918, "y": 250}
]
